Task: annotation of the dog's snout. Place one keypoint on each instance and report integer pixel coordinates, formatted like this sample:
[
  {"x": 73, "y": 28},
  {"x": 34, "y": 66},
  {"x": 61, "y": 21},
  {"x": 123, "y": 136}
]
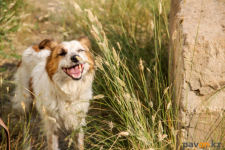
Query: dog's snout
[{"x": 74, "y": 58}]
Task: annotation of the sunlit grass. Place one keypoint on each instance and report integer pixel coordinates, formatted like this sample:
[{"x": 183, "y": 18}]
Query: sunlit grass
[
  {"x": 130, "y": 42},
  {"x": 11, "y": 16},
  {"x": 130, "y": 39}
]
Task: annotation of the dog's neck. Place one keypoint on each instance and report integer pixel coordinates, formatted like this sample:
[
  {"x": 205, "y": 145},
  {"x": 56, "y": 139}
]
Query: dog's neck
[{"x": 72, "y": 87}]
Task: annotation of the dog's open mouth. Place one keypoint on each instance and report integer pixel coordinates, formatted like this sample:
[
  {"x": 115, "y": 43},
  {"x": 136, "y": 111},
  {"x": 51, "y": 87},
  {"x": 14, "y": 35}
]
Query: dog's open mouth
[{"x": 75, "y": 72}]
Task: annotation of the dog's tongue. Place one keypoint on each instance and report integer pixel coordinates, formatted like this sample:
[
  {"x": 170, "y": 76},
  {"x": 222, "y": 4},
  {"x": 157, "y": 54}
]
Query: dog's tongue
[{"x": 75, "y": 72}]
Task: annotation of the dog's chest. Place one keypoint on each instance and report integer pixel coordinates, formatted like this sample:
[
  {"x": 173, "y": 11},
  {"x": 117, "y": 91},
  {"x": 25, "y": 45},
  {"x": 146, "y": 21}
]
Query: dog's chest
[
  {"x": 71, "y": 114},
  {"x": 67, "y": 104}
]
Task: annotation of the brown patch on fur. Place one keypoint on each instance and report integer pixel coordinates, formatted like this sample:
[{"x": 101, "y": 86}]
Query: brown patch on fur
[
  {"x": 84, "y": 40},
  {"x": 19, "y": 63},
  {"x": 48, "y": 44},
  {"x": 53, "y": 61},
  {"x": 36, "y": 48},
  {"x": 91, "y": 61},
  {"x": 45, "y": 44},
  {"x": 31, "y": 88}
]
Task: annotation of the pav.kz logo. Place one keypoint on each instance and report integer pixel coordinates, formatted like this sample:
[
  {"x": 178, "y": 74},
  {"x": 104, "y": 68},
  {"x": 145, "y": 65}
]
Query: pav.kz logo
[{"x": 201, "y": 145}]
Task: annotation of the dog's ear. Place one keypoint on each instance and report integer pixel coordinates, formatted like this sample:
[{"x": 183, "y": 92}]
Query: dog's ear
[
  {"x": 84, "y": 40},
  {"x": 48, "y": 43}
]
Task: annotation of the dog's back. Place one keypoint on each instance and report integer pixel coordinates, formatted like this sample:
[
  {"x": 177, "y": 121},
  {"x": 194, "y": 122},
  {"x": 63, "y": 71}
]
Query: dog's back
[{"x": 23, "y": 93}]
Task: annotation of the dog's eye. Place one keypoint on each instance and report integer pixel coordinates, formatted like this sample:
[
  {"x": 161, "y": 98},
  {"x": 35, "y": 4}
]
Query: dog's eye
[
  {"x": 80, "y": 50},
  {"x": 63, "y": 53}
]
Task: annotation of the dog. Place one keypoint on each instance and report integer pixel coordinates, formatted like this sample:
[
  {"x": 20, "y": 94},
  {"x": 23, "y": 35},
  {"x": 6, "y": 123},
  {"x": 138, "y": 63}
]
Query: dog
[{"x": 57, "y": 77}]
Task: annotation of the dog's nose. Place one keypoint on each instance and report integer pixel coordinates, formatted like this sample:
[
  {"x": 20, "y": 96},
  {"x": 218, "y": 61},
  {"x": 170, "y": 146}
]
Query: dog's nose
[{"x": 74, "y": 58}]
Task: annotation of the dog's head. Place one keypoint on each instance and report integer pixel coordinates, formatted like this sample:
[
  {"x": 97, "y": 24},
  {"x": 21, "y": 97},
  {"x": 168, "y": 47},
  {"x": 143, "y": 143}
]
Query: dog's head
[{"x": 69, "y": 60}]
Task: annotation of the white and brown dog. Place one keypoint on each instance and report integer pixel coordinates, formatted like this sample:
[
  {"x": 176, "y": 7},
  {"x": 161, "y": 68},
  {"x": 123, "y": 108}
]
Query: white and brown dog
[{"x": 60, "y": 76}]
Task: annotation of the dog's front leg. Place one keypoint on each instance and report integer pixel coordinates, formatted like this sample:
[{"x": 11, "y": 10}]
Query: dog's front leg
[
  {"x": 52, "y": 135},
  {"x": 80, "y": 139}
]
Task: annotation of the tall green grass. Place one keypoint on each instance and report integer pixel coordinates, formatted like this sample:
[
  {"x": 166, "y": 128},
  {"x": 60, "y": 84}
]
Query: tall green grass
[
  {"x": 130, "y": 39},
  {"x": 11, "y": 15}
]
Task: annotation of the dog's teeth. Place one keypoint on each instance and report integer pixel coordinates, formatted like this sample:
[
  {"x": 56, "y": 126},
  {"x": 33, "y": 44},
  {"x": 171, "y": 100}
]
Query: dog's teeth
[
  {"x": 79, "y": 67},
  {"x": 73, "y": 75},
  {"x": 68, "y": 71}
]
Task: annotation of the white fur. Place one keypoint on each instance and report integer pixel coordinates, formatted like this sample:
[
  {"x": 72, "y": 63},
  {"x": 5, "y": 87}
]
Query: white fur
[
  {"x": 30, "y": 59},
  {"x": 61, "y": 101}
]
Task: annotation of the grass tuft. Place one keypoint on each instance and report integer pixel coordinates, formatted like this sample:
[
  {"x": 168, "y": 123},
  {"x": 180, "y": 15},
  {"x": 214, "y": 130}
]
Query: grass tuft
[{"x": 130, "y": 39}]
